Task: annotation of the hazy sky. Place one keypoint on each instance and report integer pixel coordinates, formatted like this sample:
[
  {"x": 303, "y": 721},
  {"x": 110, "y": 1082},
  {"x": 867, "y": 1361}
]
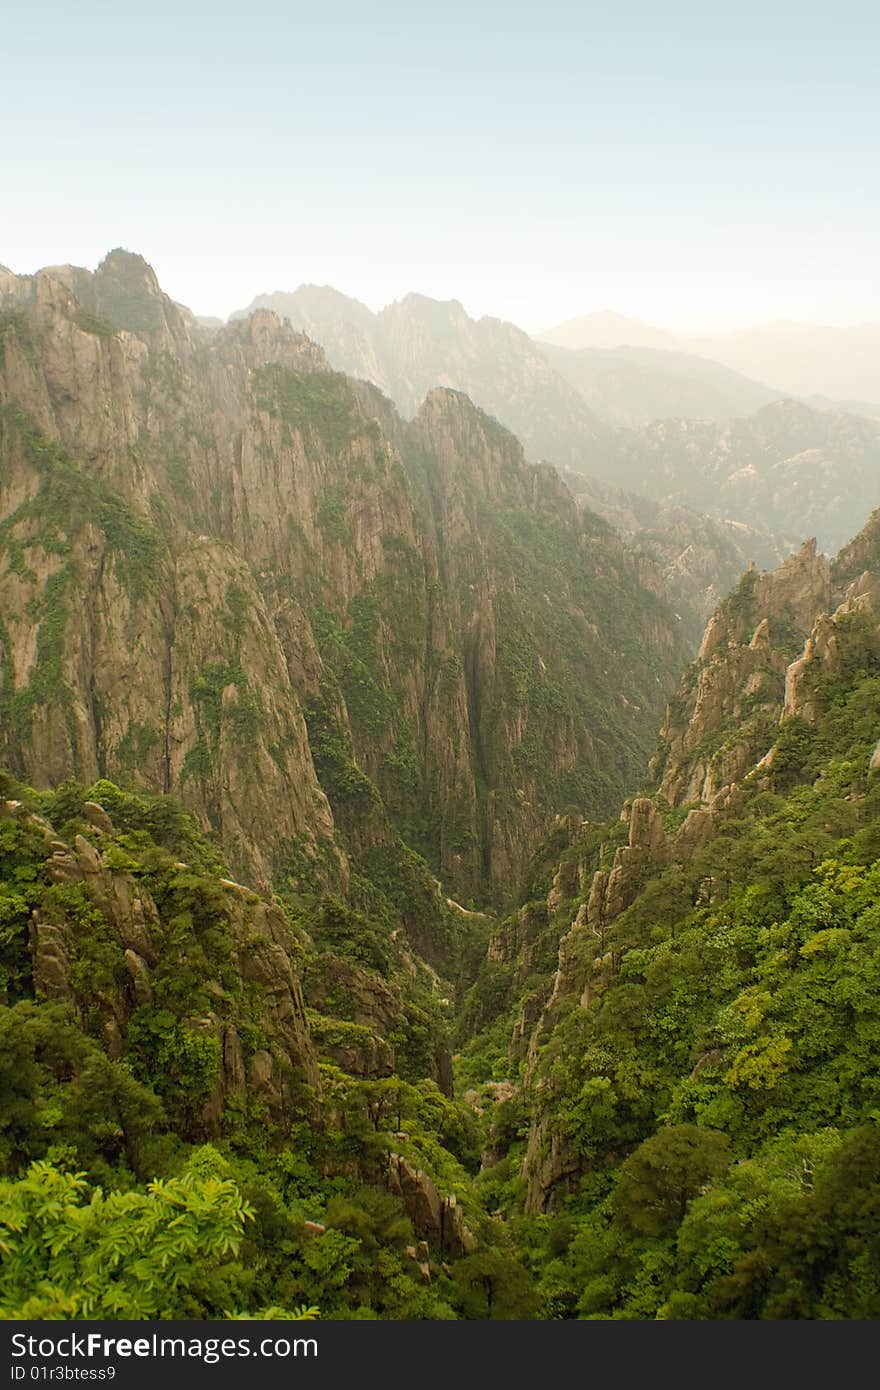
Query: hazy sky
[{"x": 689, "y": 163}]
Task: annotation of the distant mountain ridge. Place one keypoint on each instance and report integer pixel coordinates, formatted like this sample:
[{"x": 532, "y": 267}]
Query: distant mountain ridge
[
  {"x": 786, "y": 469},
  {"x": 841, "y": 362},
  {"x": 682, "y": 430},
  {"x": 631, "y": 386},
  {"x": 418, "y": 343}
]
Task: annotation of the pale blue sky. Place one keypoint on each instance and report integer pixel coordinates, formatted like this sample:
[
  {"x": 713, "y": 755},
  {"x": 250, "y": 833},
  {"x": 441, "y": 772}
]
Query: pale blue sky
[{"x": 687, "y": 163}]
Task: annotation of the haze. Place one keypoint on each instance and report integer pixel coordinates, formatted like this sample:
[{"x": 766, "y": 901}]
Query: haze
[{"x": 697, "y": 169}]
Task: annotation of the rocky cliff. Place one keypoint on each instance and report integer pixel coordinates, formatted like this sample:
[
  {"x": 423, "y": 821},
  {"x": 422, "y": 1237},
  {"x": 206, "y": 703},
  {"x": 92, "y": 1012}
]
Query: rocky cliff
[
  {"x": 731, "y": 697},
  {"x": 565, "y": 630}
]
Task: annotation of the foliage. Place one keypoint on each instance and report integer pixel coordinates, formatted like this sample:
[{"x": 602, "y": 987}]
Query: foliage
[
  {"x": 69, "y": 495},
  {"x": 72, "y": 1252},
  {"x": 101, "y": 1154},
  {"x": 320, "y": 403}
]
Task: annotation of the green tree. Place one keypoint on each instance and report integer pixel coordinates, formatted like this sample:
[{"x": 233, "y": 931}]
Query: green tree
[
  {"x": 493, "y": 1284},
  {"x": 659, "y": 1179}
]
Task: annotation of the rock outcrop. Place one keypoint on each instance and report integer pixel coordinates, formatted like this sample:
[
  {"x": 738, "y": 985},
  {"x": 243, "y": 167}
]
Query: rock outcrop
[
  {"x": 99, "y": 944},
  {"x": 720, "y": 723},
  {"x": 436, "y": 1219}
]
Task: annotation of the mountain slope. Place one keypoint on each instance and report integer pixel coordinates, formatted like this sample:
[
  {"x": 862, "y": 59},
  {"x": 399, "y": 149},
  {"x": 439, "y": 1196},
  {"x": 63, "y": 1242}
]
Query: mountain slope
[
  {"x": 633, "y": 386},
  {"x": 786, "y": 469},
  {"x": 695, "y": 987},
  {"x": 700, "y": 557},
  {"x": 168, "y": 1093}
]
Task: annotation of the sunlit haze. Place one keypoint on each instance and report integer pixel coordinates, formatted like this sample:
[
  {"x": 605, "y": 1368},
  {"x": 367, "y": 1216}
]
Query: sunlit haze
[{"x": 694, "y": 166}]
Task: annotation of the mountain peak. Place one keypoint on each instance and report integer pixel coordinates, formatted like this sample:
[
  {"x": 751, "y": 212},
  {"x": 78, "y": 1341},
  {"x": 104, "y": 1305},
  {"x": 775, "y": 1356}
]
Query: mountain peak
[
  {"x": 425, "y": 304},
  {"x": 132, "y": 264},
  {"x": 606, "y": 329},
  {"x": 310, "y": 304}
]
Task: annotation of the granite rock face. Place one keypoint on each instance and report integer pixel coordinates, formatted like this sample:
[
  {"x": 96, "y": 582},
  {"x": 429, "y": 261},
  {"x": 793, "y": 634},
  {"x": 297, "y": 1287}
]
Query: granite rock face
[
  {"x": 718, "y": 726},
  {"x": 437, "y": 1220}
]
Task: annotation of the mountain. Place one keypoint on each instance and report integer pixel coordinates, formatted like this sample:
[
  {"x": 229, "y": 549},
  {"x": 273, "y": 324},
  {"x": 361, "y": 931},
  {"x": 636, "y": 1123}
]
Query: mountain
[
  {"x": 606, "y": 329},
  {"x": 700, "y": 557},
  {"x": 281, "y": 674},
  {"x": 676, "y": 428},
  {"x": 284, "y": 676},
  {"x": 632, "y": 386},
  {"x": 234, "y": 575},
  {"x": 803, "y": 359},
  {"x": 418, "y": 343},
  {"x": 683, "y": 1007},
  {"x": 794, "y": 359},
  {"x": 787, "y": 469}
]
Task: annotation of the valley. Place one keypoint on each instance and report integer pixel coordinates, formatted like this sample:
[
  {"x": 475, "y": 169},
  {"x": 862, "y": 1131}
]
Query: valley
[{"x": 438, "y": 820}]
